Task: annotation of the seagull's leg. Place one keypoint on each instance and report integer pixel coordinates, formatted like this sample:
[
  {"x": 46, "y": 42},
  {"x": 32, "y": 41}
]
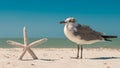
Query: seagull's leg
[
  {"x": 22, "y": 54},
  {"x": 81, "y": 51},
  {"x": 78, "y": 46},
  {"x": 32, "y": 54}
]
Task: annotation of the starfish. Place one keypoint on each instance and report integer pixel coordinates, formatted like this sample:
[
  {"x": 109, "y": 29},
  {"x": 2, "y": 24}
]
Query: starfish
[{"x": 27, "y": 47}]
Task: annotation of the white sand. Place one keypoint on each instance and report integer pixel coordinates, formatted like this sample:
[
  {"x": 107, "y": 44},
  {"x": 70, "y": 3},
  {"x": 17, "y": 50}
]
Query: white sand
[{"x": 60, "y": 58}]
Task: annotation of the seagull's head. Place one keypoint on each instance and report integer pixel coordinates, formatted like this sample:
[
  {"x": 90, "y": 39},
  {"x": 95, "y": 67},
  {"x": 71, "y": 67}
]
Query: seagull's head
[{"x": 70, "y": 20}]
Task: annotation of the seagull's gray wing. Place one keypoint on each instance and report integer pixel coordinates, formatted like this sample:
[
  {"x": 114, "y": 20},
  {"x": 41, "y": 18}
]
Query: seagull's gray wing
[{"x": 86, "y": 33}]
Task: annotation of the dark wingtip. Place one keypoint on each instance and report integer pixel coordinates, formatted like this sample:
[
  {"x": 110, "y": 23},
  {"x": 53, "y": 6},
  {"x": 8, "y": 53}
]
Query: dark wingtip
[
  {"x": 109, "y": 36},
  {"x": 106, "y": 38}
]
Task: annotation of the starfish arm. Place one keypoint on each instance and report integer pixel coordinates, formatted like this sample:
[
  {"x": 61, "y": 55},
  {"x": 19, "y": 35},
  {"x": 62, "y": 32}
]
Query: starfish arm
[
  {"x": 38, "y": 42},
  {"x": 32, "y": 54},
  {"x": 22, "y": 54},
  {"x": 25, "y": 36},
  {"x": 15, "y": 43}
]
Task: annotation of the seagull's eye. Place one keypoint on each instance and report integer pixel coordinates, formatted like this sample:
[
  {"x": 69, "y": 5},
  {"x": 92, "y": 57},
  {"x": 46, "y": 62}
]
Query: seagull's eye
[
  {"x": 69, "y": 20},
  {"x": 72, "y": 21}
]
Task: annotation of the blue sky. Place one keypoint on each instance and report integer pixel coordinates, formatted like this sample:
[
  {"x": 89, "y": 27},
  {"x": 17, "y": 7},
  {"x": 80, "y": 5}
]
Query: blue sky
[{"x": 41, "y": 17}]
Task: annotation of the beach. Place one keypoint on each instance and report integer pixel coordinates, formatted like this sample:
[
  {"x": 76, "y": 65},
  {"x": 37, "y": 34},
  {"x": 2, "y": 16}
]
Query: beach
[{"x": 61, "y": 58}]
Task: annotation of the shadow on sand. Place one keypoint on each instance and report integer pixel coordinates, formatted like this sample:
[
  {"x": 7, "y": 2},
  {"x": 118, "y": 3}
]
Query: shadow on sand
[
  {"x": 98, "y": 58},
  {"x": 104, "y": 58},
  {"x": 49, "y": 59},
  {"x": 39, "y": 59}
]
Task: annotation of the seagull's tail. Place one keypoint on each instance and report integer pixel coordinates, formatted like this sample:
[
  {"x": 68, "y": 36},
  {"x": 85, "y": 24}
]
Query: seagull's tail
[{"x": 106, "y": 38}]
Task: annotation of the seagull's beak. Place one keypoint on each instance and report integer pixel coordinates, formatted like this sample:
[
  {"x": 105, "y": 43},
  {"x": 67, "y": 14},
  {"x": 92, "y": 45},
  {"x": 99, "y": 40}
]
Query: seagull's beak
[{"x": 62, "y": 22}]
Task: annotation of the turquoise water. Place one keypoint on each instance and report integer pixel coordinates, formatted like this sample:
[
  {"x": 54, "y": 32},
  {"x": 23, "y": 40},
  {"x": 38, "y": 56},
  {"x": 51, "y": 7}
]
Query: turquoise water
[{"x": 61, "y": 43}]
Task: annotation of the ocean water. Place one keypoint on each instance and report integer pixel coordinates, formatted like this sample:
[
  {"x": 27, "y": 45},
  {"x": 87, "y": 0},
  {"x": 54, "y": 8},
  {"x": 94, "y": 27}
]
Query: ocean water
[{"x": 61, "y": 43}]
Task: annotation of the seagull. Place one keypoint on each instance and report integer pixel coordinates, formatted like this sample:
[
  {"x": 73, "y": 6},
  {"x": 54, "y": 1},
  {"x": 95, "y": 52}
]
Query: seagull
[{"x": 82, "y": 34}]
